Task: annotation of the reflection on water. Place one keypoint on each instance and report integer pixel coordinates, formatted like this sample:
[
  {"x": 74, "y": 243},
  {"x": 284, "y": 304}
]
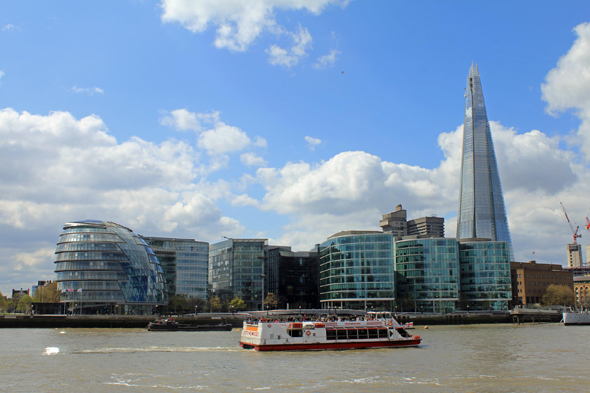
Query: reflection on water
[{"x": 494, "y": 358}]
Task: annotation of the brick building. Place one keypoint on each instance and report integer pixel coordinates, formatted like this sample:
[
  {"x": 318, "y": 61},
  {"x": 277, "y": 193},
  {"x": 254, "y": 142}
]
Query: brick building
[{"x": 531, "y": 279}]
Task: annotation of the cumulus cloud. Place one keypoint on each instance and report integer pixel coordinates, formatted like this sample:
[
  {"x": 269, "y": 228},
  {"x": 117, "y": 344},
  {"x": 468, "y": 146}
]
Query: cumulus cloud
[
  {"x": 220, "y": 139},
  {"x": 312, "y": 142},
  {"x": 238, "y": 23},
  {"x": 328, "y": 60},
  {"x": 87, "y": 90},
  {"x": 301, "y": 43},
  {"x": 251, "y": 159},
  {"x": 353, "y": 189},
  {"x": 57, "y": 168},
  {"x": 7, "y": 27},
  {"x": 567, "y": 86}
]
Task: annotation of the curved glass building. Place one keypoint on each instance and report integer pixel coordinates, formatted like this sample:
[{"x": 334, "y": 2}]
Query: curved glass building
[
  {"x": 427, "y": 274},
  {"x": 356, "y": 271},
  {"x": 485, "y": 275},
  {"x": 104, "y": 267}
]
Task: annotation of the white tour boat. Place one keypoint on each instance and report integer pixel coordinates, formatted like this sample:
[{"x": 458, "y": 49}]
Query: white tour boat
[
  {"x": 266, "y": 335},
  {"x": 576, "y": 318}
]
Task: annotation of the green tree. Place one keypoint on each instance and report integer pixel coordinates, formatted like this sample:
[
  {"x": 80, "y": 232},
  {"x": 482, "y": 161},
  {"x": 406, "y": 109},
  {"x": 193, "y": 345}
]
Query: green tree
[
  {"x": 237, "y": 304},
  {"x": 47, "y": 294},
  {"x": 271, "y": 301},
  {"x": 24, "y": 304},
  {"x": 3, "y": 303},
  {"x": 561, "y": 295},
  {"x": 214, "y": 304},
  {"x": 178, "y": 304}
]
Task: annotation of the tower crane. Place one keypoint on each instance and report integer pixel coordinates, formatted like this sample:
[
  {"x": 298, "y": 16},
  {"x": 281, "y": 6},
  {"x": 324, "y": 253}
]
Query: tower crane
[{"x": 574, "y": 232}]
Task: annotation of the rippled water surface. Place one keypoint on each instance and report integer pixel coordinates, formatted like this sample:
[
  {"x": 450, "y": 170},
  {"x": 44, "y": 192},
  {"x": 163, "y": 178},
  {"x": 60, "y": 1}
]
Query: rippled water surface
[{"x": 476, "y": 358}]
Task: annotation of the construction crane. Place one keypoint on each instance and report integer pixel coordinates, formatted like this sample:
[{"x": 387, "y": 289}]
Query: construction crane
[{"x": 574, "y": 232}]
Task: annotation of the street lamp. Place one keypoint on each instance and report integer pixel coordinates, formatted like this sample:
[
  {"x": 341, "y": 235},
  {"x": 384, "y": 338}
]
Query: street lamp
[{"x": 196, "y": 309}]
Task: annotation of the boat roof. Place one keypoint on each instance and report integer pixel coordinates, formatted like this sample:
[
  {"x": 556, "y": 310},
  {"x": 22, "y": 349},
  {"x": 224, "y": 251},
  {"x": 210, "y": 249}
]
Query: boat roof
[{"x": 307, "y": 311}]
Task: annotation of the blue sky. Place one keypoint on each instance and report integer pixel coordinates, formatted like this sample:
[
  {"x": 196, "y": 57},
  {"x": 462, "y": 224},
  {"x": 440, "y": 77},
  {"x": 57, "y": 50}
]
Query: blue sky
[{"x": 289, "y": 119}]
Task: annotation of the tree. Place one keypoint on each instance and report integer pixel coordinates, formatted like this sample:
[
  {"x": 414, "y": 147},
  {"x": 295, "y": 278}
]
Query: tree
[
  {"x": 24, "y": 304},
  {"x": 561, "y": 295},
  {"x": 178, "y": 302},
  {"x": 237, "y": 304},
  {"x": 47, "y": 294},
  {"x": 271, "y": 301},
  {"x": 3, "y": 303},
  {"x": 214, "y": 304}
]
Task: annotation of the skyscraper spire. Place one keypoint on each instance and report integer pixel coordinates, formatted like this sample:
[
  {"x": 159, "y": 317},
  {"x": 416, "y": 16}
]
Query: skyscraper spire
[{"x": 481, "y": 204}]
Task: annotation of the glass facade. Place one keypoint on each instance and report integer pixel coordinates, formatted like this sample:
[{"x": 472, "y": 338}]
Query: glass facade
[
  {"x": 236, "y": 268},
  {"x": 356, "y": 271},
  {"x": 485, "y": 275},
  {"x": 427, "y": 273},
  {"x": 185, "y": 264},
  {"x": 101, "y": 264},
  {"x": 481, "y": 203}
]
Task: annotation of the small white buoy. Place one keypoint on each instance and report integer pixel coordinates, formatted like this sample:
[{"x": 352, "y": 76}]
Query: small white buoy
[
  {"x": 62, "y": 332},
  {"x": 51, "y": 351}
]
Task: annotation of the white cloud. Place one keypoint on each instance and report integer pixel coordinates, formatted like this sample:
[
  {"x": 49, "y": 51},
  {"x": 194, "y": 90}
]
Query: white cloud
[
  {"x": 312, "y": 142},
  {"x": 567, "y": 86},
  {"x": 87, "y": 90},
  {"x": 218, "y": 140},
  {"x": 251, "y": 159},
  {"x": 301, "y": 43},
  {"x": 327, "y": 60},
  {"x": 8, "y": 27},
  {"x": 353, "y": 189},
  {"x": 56, "y": 168},
  {"x": 244, "y": 200},
  {"x": 1, "y": 73},
  {"x": 238, "y": 22}
]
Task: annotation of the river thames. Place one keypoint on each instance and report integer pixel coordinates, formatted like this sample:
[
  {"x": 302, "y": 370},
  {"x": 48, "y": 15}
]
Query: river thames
[{"x": 467, "y": 358}]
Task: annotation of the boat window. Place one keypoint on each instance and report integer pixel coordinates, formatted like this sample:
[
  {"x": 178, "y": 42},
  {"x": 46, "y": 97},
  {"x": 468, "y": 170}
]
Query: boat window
[
  {"x": 402, "y": 332},
  {"x": 341, "y": 334},
  {"x": 382, "y": 333},
  {"x": 352, "y": 334},
  {"x": 295, "y": 332},
  {"x": 373, "y": 333},
  {"x": 363, "y": 334},
  {"x": 331, "y": 334}
]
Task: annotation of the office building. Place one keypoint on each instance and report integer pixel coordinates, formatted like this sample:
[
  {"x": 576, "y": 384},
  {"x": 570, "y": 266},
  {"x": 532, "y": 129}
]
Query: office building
[
  {"x": 530, "y": 281},
  {"x": 293, "y": 277},
  {"x": 582, "y": 291},
  {"x": 236, "y": 268},
  {"x": 400, "y": 227},
  {"x": 485, "y": 274},
  {"x": 574, "y": 255},
  {"x": 481, "y": 211},
  {"x": 427, "y": 275},
  {"x": 357, "y": 271},
  {"x": 105, "y": 267},
  {"x": 185, "y": 263}
]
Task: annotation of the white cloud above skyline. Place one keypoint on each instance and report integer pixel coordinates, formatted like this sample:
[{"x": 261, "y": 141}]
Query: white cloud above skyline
[
  {"x": 312, "y": 142},
  {"x": 87, "y": 90},
  {"x": 328, "y": 60}
]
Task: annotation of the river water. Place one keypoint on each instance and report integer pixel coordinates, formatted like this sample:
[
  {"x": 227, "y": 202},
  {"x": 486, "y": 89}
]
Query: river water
[{"x": 470, "y": 358}]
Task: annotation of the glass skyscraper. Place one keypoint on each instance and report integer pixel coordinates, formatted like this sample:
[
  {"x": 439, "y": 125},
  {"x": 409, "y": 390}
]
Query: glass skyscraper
[{"x": 481, "y": 211}]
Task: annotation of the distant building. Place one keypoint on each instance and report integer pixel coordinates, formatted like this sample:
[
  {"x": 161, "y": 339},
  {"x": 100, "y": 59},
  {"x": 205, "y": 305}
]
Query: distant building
[
  {"x": 19, "y": 292},
  {"x": 579, "y": 271},
  {"x": 236, "y": 269},
  {"x": 40, "y": 284},
  {"x": 293, "y": 277},
  {"x": 582, "y": 291},
  {"x": 574, "y": 255},
  {"x": 481, "y": 212},
  {"x": 531, "y": 279},
  {"x": 103, "y": 267},
  {"x": 357, "y": 271},
  {"x": 185, "y": 263},
  {"x": 398, "y": 225}
]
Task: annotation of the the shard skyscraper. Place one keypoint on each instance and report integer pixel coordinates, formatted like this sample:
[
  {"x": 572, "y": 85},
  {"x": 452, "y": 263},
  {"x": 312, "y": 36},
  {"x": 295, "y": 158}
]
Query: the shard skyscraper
[{"x": 481, "y": 204}]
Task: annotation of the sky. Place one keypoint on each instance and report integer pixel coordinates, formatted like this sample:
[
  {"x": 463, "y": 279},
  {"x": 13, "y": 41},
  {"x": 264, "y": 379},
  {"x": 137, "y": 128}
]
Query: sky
[{"x": 283, "y": 119}]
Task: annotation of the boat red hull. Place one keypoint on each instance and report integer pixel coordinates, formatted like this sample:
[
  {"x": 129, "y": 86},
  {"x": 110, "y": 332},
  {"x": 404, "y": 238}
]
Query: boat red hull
[{"x": 333, "y": 346}]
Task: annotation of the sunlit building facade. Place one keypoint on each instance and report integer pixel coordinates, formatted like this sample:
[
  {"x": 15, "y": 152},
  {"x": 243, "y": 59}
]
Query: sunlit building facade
[
  {"x": 236, "y": 268},
  {"x": 357, "y": 271},
  {"x": 485, "y": 275},
  {"x": 185, "y": 264},
  {"x": 482, "y": 213},
  {"x": 427, "y": 274},
  {"x": 105, "y": 267}
]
